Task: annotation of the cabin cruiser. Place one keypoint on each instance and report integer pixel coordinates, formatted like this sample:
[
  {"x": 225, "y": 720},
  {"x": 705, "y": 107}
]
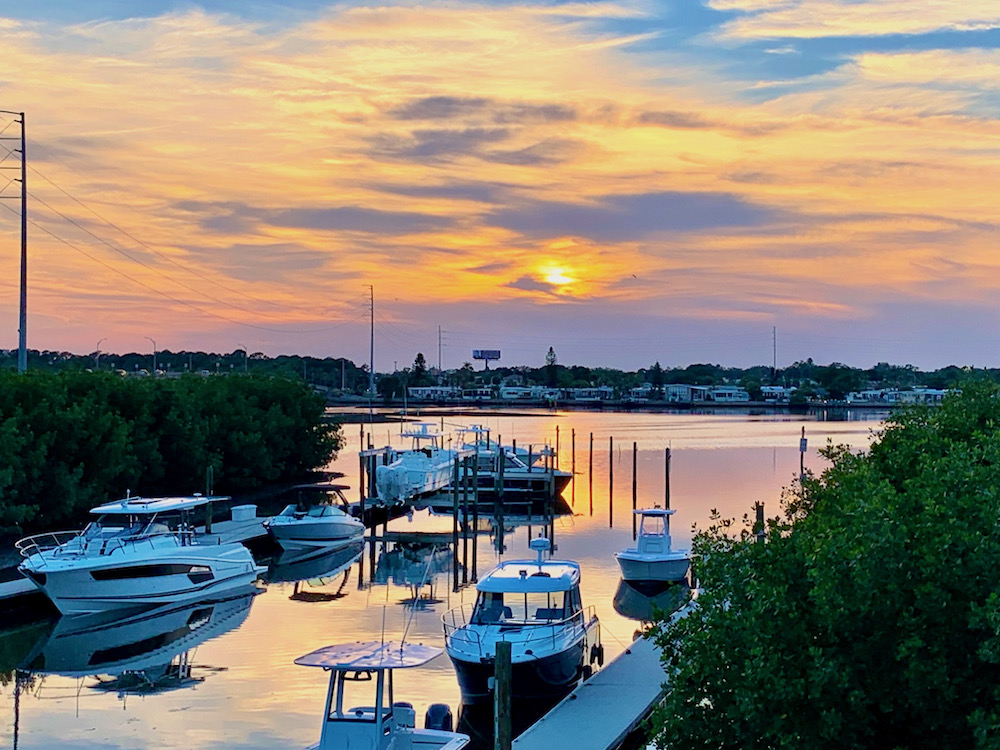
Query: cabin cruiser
[
  {"x": 382, "y": 723},
  {"x": 653, "y": 559},
  {"x": 317, "y": 528},
  {"x": 424, "y": 469},
  {"x": 138, "y": 552},
  {"x": 536, "y": 606},
  {"x": 527, "y": 473}
]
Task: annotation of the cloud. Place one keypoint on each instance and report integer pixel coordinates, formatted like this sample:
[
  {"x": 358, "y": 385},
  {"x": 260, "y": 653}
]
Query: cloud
[
  {"x": 529, "y": 284},
  {"x": 435, "y": 144},
  {"x": 771, "y": 19},
  {"x": 630, "y": 217}
]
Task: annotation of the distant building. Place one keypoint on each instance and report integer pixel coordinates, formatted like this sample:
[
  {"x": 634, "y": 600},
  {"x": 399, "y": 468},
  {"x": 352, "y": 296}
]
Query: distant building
[
  {"x": 433, "y": 392},
  {"x": 728, "y": 394}
]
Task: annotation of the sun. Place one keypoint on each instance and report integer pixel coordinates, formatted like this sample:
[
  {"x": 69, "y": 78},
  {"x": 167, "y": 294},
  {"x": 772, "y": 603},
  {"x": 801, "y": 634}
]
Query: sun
[{"x": 557, "y": 276}]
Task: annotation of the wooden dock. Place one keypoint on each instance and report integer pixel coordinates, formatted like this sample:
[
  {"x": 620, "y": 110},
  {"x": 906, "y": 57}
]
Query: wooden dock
[{"x": 603, "y": 711}]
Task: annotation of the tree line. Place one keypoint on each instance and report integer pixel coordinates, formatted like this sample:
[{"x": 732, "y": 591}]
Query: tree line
[
  {"x": 72, "y": 440},
  {"x": 341, "y": 376}
]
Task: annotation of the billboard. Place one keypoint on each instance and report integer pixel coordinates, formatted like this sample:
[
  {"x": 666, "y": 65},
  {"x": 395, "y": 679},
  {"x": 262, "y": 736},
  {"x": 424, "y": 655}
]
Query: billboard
[{"x": 486, "y": 354}]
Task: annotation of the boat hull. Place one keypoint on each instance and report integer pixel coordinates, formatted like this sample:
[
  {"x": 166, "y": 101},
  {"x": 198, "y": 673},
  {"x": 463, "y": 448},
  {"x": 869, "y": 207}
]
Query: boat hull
[
  {"x": 304, "y": 537},
  {"x": 645, "y": 568},
  {"x": 548, "y": 678},
  {"x": 162, "y": 576}
]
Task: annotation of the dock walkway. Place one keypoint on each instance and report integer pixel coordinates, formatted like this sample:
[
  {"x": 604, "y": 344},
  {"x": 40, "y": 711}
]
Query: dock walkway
[{"x": 605, "y": 709}]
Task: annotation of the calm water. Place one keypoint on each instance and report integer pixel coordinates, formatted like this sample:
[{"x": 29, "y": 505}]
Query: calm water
[{"x": 237, "y": 686}]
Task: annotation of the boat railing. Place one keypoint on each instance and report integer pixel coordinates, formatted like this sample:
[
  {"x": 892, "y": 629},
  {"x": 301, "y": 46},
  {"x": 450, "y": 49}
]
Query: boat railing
[
  {"x": 44, "y": 542},
  {"x": 525, "y": 632},
  {"x": 62, "y": 542}
]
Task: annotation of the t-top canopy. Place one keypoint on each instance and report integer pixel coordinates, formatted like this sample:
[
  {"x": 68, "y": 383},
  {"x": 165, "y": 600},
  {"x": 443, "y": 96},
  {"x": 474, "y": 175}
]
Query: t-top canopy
[
  {"x": 145, "y": 506},
  {"x": 370, "y": 655},
  {"x": 654, "y": 511}
]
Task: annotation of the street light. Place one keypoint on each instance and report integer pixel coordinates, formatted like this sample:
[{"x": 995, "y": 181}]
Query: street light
[
  {"x": 154, "y": 353},
  {"x": 97, "y": 359},
  {"x": 246, "y": 357}
]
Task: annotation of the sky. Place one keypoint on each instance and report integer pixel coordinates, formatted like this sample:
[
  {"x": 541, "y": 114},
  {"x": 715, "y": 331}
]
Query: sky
[{"x": 737, "y": 182}]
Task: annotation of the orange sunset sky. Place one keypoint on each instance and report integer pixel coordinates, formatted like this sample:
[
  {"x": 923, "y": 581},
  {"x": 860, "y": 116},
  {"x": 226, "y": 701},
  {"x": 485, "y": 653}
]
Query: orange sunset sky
[{"x": 623, "y": 181}]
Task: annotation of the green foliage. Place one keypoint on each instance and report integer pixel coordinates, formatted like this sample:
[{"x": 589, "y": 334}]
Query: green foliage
[
  {"x": 72, "y": 440},
  {"x": 870, "y": 617}
]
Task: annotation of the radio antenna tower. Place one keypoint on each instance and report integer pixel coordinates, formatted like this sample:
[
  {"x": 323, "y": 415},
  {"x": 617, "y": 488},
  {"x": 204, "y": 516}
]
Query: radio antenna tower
[{"x": 22, "y": 342}]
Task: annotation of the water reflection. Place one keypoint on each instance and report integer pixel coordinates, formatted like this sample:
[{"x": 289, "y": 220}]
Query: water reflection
[
  {"x": 417, "y": 566},
  {"x": 316, "y": 576},
  {"x": 644, "y": 601},
  {"x": 146, "y": 652}
]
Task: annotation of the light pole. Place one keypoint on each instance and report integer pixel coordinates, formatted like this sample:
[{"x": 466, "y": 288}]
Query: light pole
[
  {"x": 154, "y": 354},
  {"x": 97, "y": 359},
  {"x": 246, "y": 357}
]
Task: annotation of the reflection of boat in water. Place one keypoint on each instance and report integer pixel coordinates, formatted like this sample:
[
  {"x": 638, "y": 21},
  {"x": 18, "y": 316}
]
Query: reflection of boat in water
[
  {"x": 424, "y": 469},
  {"x": 142, "y": 652},
  {"x": 652, "y": 558},
  {"x": 317, "y": 527},
  {"x": 315, "y": 570},
  {"x": 640, "y": 600},
  {"x": 382, "y": 723},
  {"x": 536, "y": 606},
  {"x": 137, "y": 553},
  {"x": 414, "y": 564}
]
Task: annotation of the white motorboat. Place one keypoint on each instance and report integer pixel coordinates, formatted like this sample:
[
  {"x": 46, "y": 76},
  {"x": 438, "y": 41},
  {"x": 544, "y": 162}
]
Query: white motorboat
[
  {"x": 317, "y": 528},
  {"x": 138, "y": 552},
  {"x": 425, "y": 468},
  {"x": 536, "y": 606},
  {"x": 382, "y": 723},
  {"x": 527, "y": 473},
  {"x": 653, "y": 558}
]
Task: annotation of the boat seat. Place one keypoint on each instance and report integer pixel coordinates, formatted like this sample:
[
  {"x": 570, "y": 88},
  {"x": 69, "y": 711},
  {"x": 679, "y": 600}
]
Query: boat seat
[{"x": 496, "y": 614}]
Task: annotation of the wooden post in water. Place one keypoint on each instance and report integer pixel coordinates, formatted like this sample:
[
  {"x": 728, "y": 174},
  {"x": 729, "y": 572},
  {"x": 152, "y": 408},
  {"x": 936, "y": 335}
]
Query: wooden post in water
[
  {"x": 501, "y": 697},
  {"x": 465, "y": 520},
  {"x": 475, "y": 514},
  {"x": 556, "y": 457},
  {"x": 666, "y": 479},
  {"x": 454, "y": 525},
  {"x": 635, "y": 455},
  {"x": 572, "y": 454},
  {"x": 590, "y": 473},
  {"x": 498, "y": 509},
  {"x": 759, "y": 525},
  {"x": 802, "y": 455},
  {"x": 611, "y": 482}
]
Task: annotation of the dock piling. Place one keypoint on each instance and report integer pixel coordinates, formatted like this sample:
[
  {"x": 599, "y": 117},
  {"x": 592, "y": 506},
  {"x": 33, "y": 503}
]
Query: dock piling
[
  {"x": 611, "y": 482},
  {"x": 501, "y": 697},
  {"x": 666, "y": 479},
  {"x": 635, "y": 455}
]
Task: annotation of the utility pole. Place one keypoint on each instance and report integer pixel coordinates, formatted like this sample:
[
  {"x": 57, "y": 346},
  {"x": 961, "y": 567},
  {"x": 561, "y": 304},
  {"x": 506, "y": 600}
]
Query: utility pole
[
  {"x": 371, "y": 351},
  {"x": 439, "y": 353},
  {"x": 22, "y": 342}
]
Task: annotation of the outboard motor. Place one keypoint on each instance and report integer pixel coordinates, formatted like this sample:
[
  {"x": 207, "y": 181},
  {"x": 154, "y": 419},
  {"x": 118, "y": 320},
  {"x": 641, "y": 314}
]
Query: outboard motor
[{"x": 438, "y": 717}]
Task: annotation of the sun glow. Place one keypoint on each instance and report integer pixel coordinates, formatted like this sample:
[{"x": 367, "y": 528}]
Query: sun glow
[{"x": 557, "y": 276}]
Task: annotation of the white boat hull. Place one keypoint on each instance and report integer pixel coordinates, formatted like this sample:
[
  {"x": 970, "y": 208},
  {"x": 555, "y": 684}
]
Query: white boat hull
[
  {"x": 637, "y": 567},
  {"x": 304, "y": 536},
  {"x": 157, "y": 576}
]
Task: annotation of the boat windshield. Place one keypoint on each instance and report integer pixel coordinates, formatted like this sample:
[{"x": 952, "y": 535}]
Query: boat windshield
[
  {"x": 526, "y": 607},
  {"x": 324, "y": 511},
  {"x": 123, "y": 527},
  {"x": 653, "y": 526}
]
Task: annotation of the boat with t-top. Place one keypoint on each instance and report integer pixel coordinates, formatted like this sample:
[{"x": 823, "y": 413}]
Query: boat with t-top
[
  {"x": 380, "y": 723},
  {"x": 137, "y": 552},
  {"x": 536, "y": 606},
  {"x": 424, "y": 469},
  {"x": 653, "y": 558},
  {"x": 527, "y": 472}
]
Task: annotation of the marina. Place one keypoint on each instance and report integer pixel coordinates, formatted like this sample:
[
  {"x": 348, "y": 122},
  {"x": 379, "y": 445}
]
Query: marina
[{"x": 397, "y": 584}]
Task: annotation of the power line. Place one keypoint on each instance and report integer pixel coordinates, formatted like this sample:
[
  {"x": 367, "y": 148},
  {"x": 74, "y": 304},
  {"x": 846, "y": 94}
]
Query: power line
[{"x": 171, "y": 297}]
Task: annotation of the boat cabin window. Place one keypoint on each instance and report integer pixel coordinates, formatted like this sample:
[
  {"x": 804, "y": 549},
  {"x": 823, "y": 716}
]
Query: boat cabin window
[
  {"x": 653, "y": 526},
  {"x": 528, "y": 607}
]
